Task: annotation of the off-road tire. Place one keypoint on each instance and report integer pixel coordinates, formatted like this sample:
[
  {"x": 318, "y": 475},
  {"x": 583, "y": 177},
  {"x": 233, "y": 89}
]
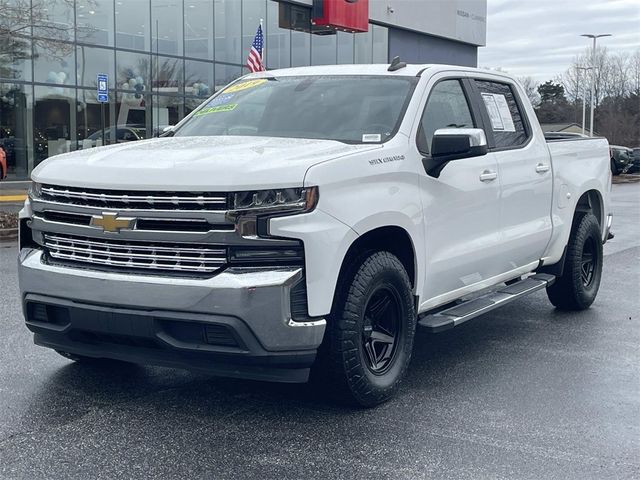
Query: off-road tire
[
  {"x": 344, "y": 361},
  {"x": 575, "y": 290}
]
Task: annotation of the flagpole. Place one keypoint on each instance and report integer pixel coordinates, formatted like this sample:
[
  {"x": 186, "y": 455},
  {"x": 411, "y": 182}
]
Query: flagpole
[{"x": 264, "y": 45}]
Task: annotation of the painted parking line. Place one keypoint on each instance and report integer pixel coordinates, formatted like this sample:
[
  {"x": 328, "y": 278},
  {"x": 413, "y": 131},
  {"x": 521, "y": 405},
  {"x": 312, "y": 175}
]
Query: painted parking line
[{"x": 12, "y": 198}]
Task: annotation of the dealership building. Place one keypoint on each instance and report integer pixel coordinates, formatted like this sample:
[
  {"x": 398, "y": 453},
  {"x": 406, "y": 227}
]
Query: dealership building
[{"x": 162, "y": 58}]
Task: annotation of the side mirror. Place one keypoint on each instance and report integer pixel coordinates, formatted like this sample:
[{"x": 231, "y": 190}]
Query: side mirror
[
  {"x": 454, "y": 144},
  {"x": 168, "y": 128}
]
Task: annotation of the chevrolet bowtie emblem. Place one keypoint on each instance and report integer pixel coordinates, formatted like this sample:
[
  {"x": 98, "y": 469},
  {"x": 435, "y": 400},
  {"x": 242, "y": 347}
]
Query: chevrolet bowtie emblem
[{"x": 110, "y": 222}]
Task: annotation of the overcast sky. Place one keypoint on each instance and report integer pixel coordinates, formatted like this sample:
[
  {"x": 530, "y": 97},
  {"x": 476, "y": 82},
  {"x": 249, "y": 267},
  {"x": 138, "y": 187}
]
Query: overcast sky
[{"x": 540, "y": 38}]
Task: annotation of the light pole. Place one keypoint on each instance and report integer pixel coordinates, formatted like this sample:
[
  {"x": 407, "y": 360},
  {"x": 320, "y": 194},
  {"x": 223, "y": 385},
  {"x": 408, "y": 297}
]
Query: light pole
[
  {"x": 584, "y": 96},
  {"x": 593, "y": 72}
]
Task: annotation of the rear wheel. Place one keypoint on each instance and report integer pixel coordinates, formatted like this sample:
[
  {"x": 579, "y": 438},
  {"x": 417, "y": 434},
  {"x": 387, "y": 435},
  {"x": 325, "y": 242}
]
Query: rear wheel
[
  {"x": 370, "y": 332},
  {"x": 578, "y": 286}
]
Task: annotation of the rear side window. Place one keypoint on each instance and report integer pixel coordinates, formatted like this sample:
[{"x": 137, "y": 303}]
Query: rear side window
[{"x": 509, "y": 129}]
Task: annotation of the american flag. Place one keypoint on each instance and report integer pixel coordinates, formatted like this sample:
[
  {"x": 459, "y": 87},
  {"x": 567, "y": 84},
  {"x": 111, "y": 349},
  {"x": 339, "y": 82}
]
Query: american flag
[{"x": 254, "y": 62}]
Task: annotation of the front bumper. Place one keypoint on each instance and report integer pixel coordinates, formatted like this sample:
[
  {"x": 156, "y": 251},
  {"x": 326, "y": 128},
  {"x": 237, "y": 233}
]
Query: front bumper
[{"x": 237, "y": 323}]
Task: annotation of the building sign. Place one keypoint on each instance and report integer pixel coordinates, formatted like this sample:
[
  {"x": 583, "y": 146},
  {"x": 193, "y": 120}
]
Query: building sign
[
  {"x": 103, "y": 88},
  {"x": 345, "y": 15}
]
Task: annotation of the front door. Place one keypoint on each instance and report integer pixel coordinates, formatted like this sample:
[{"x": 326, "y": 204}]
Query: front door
[{"x": 461, "y": 206}]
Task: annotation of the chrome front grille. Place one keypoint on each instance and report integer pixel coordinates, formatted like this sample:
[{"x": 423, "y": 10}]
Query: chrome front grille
[
  {"x": 135, "y": 200},
  {"x": 143, "y": 256}
]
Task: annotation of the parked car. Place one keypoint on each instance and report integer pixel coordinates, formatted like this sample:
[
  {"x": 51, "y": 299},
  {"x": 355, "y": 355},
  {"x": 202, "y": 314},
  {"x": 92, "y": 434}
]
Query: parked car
[
  {"x": 308, "y": 220},
  {"x": 3, "y": 164},
  {"x": 124, "y": 133},
  {"x": 621, "y": 158},
  {"x": 634, "y": 166}
]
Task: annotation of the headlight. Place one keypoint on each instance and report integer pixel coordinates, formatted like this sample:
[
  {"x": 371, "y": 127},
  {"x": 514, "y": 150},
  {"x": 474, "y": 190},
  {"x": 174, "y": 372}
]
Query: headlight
[
  {"x": 283, "y": 199},
  {"x": 35, "y": 190},
  {"x": 251, "y": 210}
]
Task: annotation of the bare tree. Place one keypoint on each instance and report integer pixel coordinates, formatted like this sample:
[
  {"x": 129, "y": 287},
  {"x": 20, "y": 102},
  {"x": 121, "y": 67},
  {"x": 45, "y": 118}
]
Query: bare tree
[
  {"x": 634, "y": 73},
  {"x": 616, "y": 95},
  {"x": 531, "y": 89}
]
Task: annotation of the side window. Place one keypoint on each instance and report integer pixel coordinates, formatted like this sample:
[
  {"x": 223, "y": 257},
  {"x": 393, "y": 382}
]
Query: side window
[
  {"x": 446, "y": 107},
  {"x": 506, "y": 119}
]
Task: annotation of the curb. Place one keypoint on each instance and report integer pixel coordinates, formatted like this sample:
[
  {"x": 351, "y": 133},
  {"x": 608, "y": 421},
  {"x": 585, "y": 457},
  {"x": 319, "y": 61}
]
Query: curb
[
  {"x": 625, "y": 178},
  {"x": 8, "y": 234}
]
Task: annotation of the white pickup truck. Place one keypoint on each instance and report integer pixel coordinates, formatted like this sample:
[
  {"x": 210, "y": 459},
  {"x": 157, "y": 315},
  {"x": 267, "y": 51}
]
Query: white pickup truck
[{"x": 307, "y": 221}]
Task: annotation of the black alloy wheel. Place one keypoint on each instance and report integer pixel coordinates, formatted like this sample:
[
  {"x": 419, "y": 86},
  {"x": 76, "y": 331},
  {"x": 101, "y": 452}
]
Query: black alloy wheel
[
  {"x": 588, "y": 264},
  {"x": 381, "y": 329}
]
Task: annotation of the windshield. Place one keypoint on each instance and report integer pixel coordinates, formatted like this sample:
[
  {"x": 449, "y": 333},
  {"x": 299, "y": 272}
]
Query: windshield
[{"x": 351, "y": 109}]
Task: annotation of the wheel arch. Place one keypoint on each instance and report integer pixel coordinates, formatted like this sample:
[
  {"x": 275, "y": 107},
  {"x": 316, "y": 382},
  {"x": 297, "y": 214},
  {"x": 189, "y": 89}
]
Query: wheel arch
[
  {"x": 391, "y": 238},
  {"x": 590, "y": 201}
]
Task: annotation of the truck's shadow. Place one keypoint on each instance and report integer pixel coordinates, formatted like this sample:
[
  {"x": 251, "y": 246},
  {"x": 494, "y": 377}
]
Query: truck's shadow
[{"x": 442, "y": 366}]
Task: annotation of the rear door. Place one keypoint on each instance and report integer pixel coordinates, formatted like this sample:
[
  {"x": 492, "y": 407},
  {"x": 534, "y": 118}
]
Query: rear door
[{"x": 524, "y": 168}]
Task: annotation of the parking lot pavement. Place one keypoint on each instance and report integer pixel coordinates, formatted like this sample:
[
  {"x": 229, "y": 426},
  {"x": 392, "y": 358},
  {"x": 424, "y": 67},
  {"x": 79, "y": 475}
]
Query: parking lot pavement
[{"x": 523, "y": 392}]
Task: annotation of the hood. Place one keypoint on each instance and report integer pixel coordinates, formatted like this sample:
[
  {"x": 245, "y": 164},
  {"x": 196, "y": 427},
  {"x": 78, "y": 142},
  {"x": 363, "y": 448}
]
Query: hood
[{"x": 193, "y": 163}]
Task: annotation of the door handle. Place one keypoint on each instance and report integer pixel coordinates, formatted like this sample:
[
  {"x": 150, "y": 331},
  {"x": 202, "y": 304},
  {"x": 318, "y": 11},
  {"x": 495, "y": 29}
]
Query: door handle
[
  {"x": 488, "y": 176},
  {"x": 541, "y": 168}
]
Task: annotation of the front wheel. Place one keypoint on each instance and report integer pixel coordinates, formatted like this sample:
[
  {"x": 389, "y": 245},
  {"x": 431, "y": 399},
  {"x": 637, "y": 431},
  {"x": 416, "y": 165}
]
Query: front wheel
[
  {"x": 578, "y": 286},
  {"x": 370, "y": 332}
]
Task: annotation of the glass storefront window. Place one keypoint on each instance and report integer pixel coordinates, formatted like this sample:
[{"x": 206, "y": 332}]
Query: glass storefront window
[
  {"x": 300, "y": 49},
  {"x": 198, "y": 78},
  {"x": 133, "y": 71},
  {"x": 228, "y": 23},
  {"x": 92, "y": 61},
  {"x": 94, "y": 22},
  {"x": 278, "y": 39},
  {"x": 323, "y": 49},
  {"x": 198, "y": 29},
  {"x": 132, "y": 24},
  {"x": 16, "y": 116},
  {"x": 54, "y": 121},
  {"x": 15, "y": 58},
  {"x": 53, "y": 19},
  {"x": 345, "y": 47},
  {"x": 380, "y": 44},
  {"x": 56, "y": 66},
  {"x": 364, "y": 47},
  {"x": 167, "y": 74},
  {"x": 166, "y": 27}
]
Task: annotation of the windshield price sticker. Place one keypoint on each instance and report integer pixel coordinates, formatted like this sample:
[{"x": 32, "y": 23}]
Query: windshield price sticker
[
  {"x": 220, "y": 108},
  {"x": 498, "y": 110},
  {"x": 371, "y": 137},
  {"x": 238, "y": 87},
  {"x": 221, "y": 99}
]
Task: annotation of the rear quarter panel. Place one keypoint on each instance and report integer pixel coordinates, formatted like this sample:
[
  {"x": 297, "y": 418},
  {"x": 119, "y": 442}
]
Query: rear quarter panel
[{"x": 578, "y": 166}]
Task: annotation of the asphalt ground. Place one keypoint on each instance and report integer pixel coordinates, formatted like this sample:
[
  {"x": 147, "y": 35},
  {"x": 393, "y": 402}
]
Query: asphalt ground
[{"x": 524, "y": 392}]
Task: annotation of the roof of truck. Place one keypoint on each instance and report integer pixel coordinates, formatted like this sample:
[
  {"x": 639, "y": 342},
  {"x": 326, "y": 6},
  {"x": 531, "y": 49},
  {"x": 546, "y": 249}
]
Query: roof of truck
[{"x": 366, "y": 69}]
